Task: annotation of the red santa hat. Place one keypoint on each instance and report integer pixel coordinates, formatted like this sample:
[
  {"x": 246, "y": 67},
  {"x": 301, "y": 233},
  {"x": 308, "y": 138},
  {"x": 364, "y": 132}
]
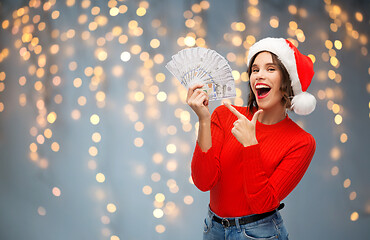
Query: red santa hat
[{"x": 299, "y": 67}]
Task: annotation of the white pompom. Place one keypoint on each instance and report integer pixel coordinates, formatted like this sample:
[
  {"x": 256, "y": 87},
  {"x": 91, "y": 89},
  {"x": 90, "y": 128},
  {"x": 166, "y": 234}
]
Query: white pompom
[{"x": 303, "y": 103}]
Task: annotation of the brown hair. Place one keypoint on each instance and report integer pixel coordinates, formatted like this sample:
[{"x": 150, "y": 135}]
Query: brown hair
[{"x": 285, "y": 88}]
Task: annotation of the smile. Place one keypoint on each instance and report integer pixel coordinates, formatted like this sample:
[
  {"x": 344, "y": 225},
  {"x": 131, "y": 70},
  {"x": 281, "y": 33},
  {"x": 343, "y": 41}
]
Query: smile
[{"x": 262, "y": 90}]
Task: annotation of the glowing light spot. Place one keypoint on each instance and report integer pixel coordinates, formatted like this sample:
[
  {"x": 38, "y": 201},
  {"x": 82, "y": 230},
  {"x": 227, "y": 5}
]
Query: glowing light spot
[
  {"x": 22, "y": 99},
  {"x": 171, "y": 130},
  {"x": 139, "y": 142},
  {"x": 338, "y": 44},
  {"x": 95, "y": 10},
  {"x": 352, "y": 196},
  {"x": 76, "y": 114},
  {"x": 55, "y": 146},
  {"x": 158, "y": 213},
  {"x": 236, "y": 75},
  {"x": 159, "y": 197},
  {"x": 77, "y": 82},
  {"x": 347, "y": 183},
  {"x": 93, "y": 151},
  {"x": 334, "y": 171},
  {"x": 174, "y": 189},
  {"x": 161, "y": 96},
  {"x": 117, "y": 71},
  {"x": 105, "y": 220},
  {"x": 91, "y": 164},
  {"x": 81, "y": 101},
  {"x": 343, "y": 137},
  {"x": 156, "y": 177},
  {"x": 94, "y": 119},
  {"x": 312, "y": 57},
  {"x": 274, "y": 22},
  {"x": 100, "y": 177},
  {"x": 171, "y": 165},
  {"x": 335, "y": 108},
  {"x": 100, "y": 96},
  {"x": 196, "y": 8},
  {"x": 56, "y": 191},
  {"x": 125, "y": 56},
  {"x": 5, "y": 24},
  {"x": 147, "y": 190},
  {"x": 139, "y": 96},
  {"x": 141, "y": 11},
  {"x": 114, "y": 237},
  {"x": 171, "y": 148},
  {"x": 188, "y": 200},
  {"x": 328, "y": 44},
  {"x": 189, "y": 41},
  {"x": 359, "y": 16},
  {"x": 160, "y": 228},
  {"x": 160, "y": 77},
  {"x": 338, "y": 119},
  {"x": 154, "y": 43},
  {"x": 135, "y": 49},
  {"x": 335, "y": 153},
  {"x": 185, "y": 116},
  {"x": 33, "y": 147},
  {"x": 101, "y": 54},
  {"x": 354, "y": 216},
  {"x": 237, "y": 41},
  {"x": 52, "y": 117},
  {"x": 123, "y": 9},
  {"x": 96, "y": 137},
  {"x": 111, "y": 208},
  {"x": 334, "y": 61},
  {"x": 48, "y": 133},
  {"x": 157, "y": 158},
  {"x": 41, "y": 211},
  {"x": 114, "y": 11}
]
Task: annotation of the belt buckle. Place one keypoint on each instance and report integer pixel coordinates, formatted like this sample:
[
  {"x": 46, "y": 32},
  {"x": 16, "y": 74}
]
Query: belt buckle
[{"x": 225, "y": 222}]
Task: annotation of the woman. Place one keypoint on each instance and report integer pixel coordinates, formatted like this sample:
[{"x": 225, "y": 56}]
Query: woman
[{"x": 251, "y": 158}]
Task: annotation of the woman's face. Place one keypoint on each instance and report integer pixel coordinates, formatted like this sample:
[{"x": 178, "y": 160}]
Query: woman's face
[{"x": 265, "y": 80}]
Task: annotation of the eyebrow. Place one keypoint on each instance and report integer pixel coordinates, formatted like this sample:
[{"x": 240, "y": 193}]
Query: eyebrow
[{"x": 267, "y": 64}]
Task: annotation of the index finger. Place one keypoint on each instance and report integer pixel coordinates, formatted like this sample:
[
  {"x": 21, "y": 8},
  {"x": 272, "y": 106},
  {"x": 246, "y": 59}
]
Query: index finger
[{"x": 233, "y": 110}]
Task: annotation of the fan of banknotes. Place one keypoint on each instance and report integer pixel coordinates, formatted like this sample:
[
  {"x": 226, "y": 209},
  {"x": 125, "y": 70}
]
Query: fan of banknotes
[{"x": 201, "y": 65}]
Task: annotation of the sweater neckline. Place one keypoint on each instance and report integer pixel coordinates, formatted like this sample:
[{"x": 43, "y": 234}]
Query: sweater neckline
[{"x": 273, "y": 127}]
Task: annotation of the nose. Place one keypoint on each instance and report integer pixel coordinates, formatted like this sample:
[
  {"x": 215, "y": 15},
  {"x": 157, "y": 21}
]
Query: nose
[{"x": 260, "y": 74}]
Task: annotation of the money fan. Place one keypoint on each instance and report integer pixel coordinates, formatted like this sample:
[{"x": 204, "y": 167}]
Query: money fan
[{"x": 200, "y": 65}]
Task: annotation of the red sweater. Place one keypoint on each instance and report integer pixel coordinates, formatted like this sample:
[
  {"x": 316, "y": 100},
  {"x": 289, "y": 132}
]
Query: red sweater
[{"x": 253, "y": 179}]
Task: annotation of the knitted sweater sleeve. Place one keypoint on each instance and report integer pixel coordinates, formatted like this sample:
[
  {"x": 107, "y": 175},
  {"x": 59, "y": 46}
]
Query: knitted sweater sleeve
[
  {"x": 265, "y": 193},
  {"x": 205, "y": 166}
]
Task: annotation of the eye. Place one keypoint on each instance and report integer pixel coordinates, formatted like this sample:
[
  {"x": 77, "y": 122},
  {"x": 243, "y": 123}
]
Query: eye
[
  {"x": 271, "y": 69},
  {"x": 255, "y": 70}
]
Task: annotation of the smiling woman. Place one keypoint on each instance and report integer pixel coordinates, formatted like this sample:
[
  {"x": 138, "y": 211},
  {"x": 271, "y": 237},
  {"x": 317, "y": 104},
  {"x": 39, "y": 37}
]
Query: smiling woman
[
  {"x": 285, "y": 87},
  {"x": 251, "y": 158}
]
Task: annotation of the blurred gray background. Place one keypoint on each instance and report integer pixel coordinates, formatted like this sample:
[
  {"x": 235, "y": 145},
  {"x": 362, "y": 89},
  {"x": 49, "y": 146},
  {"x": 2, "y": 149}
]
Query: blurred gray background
[{"x": 96, "y": 139}]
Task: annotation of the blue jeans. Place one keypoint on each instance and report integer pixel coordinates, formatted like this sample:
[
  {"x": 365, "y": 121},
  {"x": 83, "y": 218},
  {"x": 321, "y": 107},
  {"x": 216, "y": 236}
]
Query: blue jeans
[{"x": 271, "y": 227}]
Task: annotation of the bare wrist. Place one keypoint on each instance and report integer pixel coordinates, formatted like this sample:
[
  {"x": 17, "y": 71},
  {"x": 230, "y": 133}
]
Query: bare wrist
[
  {"x": 205, "y": 121},
  {"x": 253, "y": 142}
]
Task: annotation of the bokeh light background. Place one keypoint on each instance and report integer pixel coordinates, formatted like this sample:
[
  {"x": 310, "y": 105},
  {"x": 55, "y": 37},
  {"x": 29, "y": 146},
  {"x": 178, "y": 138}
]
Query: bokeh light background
[{"x": 96, "y": 138}]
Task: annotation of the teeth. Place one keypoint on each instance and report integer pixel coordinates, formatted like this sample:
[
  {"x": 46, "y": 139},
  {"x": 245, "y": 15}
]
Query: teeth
[{"x": 262, "y": 86}]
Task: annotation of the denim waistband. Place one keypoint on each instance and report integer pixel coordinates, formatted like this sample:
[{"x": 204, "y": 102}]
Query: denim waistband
[{"x": 237, "y": 219}]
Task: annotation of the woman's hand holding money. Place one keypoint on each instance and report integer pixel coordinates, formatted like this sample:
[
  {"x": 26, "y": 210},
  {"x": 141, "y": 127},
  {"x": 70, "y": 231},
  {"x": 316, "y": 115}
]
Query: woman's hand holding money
[{"x": 198, "y": 101}]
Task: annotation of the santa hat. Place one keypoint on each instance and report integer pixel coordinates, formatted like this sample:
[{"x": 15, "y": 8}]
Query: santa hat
[{"x": 299, "y": 67}]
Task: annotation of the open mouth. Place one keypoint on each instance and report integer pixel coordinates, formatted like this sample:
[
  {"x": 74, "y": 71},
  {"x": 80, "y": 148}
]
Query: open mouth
[{"x": 262, "y": 90}]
